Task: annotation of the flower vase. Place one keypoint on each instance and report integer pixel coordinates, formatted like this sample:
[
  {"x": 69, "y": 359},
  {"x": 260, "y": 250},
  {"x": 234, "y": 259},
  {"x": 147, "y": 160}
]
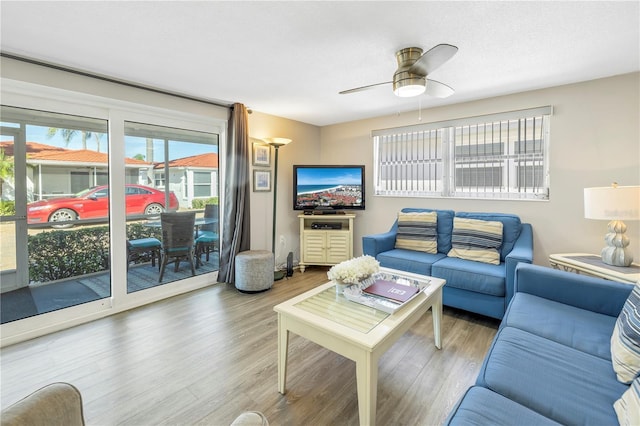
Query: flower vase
[{"x": 340, "y": 286}]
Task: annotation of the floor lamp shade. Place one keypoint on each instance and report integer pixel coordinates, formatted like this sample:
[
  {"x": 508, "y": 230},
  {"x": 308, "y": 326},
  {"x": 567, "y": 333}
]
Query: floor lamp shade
[{"x": 616, "y": 204}]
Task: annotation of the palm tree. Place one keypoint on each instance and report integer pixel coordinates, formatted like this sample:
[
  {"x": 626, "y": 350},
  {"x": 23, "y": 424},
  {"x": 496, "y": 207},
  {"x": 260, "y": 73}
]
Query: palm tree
[
  {"x": 6, "y": 169},
  {"x": 68, "y": 134}
]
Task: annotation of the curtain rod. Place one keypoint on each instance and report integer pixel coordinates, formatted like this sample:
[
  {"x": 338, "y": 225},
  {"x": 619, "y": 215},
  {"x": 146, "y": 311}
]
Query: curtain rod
[{"x": 110, "y": 79}]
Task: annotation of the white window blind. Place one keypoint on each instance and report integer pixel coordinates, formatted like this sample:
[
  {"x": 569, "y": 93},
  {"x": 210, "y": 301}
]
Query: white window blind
[{"x": 493, "y": 156}]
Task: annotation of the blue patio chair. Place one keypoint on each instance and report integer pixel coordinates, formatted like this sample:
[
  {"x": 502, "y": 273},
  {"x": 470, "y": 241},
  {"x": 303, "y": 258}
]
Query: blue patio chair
[
  {"x": 144, "y": 245},
  {"x": 207, "y": 237},
  {"x": 177, "y": 240}
]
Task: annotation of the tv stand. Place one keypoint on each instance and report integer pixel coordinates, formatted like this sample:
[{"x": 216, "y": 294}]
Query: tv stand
[{"x": 324, "y": 245}]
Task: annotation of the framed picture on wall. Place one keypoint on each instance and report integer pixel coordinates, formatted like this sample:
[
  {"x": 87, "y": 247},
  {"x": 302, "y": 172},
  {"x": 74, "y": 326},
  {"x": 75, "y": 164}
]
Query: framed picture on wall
[
  {"x": 261, "y": 155},
  {"x": 261, "y": 180}
]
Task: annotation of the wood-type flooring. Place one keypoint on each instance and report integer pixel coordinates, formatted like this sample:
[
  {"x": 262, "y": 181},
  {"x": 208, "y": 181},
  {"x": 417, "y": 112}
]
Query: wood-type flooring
[{"x": 204, "y": 357}]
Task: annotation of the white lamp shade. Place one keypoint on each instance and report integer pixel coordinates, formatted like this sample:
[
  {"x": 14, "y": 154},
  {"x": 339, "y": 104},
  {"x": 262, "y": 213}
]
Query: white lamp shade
[
  {"x": 277, "y": 141},
  {"x": 612, "y": 203}
]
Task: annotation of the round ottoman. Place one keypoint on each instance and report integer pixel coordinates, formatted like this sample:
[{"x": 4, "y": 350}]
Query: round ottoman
[{"x": 254, "y": 271}]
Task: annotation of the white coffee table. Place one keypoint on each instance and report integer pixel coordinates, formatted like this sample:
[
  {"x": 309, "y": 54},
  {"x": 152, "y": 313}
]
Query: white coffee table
[{"x": 354, "y": 331}]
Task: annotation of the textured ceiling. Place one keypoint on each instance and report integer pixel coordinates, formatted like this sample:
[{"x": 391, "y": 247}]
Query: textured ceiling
[{"x": 291, "y": 59}]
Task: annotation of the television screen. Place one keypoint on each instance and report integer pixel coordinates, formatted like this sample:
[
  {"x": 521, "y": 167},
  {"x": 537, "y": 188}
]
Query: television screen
[{"x": 328, "y": 187}]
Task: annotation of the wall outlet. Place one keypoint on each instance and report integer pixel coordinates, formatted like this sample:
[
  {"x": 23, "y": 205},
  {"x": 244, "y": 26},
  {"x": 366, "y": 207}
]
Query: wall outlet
[{"x": 282, "y": 239}]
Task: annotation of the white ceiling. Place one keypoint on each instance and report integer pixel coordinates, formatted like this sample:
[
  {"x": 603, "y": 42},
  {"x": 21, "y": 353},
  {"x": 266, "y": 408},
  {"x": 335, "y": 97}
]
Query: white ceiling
[{"x": 291, "y": 58}]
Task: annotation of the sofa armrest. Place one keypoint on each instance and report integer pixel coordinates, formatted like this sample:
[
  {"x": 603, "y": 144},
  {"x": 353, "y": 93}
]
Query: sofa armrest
[
  {"x": 55, "y": 404},
  {"x": 594, "y": 294},
  {"x": 522, "y": 252},
  {"x": 373, "y": 245}
]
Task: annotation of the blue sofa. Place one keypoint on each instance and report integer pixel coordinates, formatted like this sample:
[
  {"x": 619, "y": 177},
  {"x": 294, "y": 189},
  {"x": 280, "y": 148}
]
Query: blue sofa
[
  {"x": 473, "y": 286},
  {"x": 550, "y": 362}
]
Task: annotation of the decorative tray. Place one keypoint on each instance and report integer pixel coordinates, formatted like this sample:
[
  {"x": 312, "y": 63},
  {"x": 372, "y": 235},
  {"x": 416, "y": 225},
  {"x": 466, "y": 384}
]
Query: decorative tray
[{"x": 355, "y": 294}]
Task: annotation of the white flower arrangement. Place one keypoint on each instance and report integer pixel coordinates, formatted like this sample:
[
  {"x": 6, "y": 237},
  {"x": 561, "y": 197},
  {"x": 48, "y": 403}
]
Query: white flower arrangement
[{"x": 354, "y": 270}]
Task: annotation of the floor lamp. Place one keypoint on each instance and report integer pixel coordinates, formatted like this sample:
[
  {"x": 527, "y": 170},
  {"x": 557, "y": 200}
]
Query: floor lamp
[{"x": 276, "y": 143}]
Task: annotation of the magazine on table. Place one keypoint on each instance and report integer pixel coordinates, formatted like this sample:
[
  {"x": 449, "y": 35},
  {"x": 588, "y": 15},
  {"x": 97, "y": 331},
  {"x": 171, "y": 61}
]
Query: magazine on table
[
  {"x": 386, "y": 292},
  {"x": 392, "y": 290}
]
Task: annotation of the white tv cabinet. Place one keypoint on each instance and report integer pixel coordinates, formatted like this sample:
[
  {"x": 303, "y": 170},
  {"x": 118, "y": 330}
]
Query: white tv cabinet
[{"x": 325, "y": 246}]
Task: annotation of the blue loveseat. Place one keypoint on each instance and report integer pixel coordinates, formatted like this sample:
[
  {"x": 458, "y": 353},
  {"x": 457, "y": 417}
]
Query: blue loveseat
[
  {"x": 473, "y": 286},
  {"x": 550, "y": 362}
]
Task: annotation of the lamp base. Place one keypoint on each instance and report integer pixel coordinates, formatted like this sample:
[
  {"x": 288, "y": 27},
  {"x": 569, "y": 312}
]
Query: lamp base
[
  {"x": 616, "y": 256},
  {"x": 616, "y": 253},
  {"x": 278, "y": 275}
]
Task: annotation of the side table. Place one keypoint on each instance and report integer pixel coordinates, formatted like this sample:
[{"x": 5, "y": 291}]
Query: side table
[{"x": 592, "y": 264}]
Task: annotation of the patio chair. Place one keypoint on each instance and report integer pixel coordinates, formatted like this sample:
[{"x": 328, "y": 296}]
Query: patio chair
[
  {"x": 177, "y": 240},
  {"x": 207, "y": 237},
  {"x": 141, "y": 246}
]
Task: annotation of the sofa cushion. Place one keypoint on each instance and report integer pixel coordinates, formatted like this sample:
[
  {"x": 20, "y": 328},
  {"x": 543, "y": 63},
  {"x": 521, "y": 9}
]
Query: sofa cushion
[
  {"x": 417, "y": 231},
  {"x": 480, "y": 406},
  {"x": 581, "y": 329},
  {"x": 445, "y": 226},
  {"x": 409, "y": 260},
  {"x": 625, "y": 340},
  {"x": 511, "y": 228},
  {"x": 628, "y": 406},
  {"x": 557, "y": 381},
  {"x": 473, "y": 276},
  {"x": 476, "y": 240}
]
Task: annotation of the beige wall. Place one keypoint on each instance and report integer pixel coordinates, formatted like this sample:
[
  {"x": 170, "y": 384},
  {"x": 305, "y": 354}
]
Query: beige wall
[
  {"x": 595, "y": 140},
  {"x": 304, "y": 149}
]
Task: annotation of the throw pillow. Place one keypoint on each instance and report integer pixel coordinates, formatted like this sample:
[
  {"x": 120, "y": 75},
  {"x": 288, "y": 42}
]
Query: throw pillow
[
  {"x": 625, "y": 340},
  {"x": 417, "y": 231},
  {"x": 628, "y": 406},
  {"x": 475, "y": 239}
]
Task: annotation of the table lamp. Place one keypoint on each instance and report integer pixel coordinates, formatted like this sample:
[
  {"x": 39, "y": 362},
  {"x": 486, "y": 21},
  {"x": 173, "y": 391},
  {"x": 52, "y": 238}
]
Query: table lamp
[
  {"x": 276, "y": 143},
  {"x": 614, "y": 203}
]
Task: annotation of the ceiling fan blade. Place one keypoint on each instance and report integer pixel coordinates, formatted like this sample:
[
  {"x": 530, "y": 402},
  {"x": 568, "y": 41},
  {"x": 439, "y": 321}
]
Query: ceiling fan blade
[
  {"x": 433, "y": 58},
  {"x": 359, "y": 89},
  {"x": 438, "y": 90}
]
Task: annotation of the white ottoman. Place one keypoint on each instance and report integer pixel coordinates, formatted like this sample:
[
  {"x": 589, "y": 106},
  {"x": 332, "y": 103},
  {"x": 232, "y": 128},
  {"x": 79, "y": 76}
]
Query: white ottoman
[{"x": 254, "y": 271}]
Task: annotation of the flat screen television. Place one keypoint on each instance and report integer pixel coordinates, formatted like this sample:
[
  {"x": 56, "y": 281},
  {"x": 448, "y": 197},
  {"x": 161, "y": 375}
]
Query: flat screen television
[{"x": 318, "y": 187}]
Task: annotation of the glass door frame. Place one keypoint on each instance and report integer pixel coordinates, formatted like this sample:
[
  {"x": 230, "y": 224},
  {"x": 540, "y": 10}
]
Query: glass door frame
[
  {"x": 20, "y": 190},
  {"x": 51, "y": 99}
]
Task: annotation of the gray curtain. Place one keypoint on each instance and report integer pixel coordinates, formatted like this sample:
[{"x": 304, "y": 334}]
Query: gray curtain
[{"x": 235, "y": 223}]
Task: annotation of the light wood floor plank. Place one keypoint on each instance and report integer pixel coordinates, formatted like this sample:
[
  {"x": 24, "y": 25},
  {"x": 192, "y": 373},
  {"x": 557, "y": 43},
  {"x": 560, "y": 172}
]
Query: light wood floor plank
[{"x": 204, "y": 357}]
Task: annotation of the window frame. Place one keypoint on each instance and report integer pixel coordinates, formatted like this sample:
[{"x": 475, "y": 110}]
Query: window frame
[{"x": 403, "y": 156}]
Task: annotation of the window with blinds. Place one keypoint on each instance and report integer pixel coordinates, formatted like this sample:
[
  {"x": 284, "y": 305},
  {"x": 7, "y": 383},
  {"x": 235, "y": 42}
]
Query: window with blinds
[{"x": 493, "y": 156}]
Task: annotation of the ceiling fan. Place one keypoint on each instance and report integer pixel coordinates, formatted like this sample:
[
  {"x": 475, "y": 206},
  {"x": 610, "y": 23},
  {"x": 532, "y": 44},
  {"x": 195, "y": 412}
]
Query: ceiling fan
[{"x": 410, "y": 79}]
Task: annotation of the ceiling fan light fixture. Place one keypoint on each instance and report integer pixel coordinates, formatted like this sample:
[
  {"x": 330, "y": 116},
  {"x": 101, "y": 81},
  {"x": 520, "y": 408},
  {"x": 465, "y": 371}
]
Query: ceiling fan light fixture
[
  {"x": 407, "y": 85},
  {"x": 410, "y": 79},
  {"x": 409, "y": 90}
]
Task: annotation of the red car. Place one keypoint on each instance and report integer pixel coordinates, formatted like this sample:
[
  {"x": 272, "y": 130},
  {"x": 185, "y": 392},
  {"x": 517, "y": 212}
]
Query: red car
[{"x": 94, "y": 203}]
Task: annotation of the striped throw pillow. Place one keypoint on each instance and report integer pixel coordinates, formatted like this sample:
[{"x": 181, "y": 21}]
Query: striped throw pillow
[
  {"x": 475, "y": 239},
  {"x": 625, "y": 340},
  {"x": 417, "y": 231},
  {"x": 628, "y": 406}
]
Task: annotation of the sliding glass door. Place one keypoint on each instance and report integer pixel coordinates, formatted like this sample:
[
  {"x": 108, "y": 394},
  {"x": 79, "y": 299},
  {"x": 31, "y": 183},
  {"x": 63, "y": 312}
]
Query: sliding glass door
[
  {"x": 182, "y": 167},
  {"x": 81, "y": 180},
  {"x": 55, "y": 212}
]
